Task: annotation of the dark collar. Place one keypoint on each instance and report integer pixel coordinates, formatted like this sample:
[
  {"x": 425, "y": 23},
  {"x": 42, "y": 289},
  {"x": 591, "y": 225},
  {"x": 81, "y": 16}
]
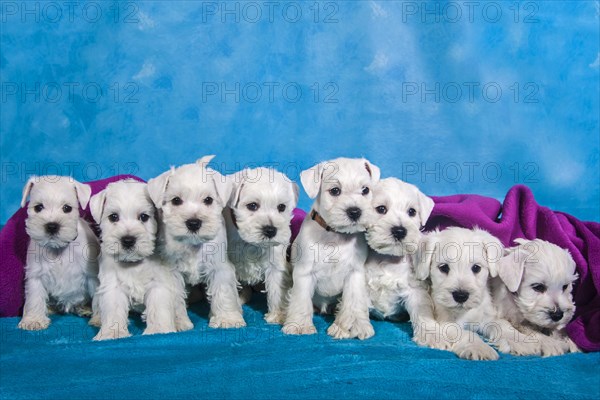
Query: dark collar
[
  {"x": 233, "y": 219},
  {"x": 315, "y": 216}
]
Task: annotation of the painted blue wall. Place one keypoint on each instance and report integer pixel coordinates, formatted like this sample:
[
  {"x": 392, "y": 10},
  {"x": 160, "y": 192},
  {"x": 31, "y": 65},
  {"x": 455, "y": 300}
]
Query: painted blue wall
[{"x": 455, "y": 97}]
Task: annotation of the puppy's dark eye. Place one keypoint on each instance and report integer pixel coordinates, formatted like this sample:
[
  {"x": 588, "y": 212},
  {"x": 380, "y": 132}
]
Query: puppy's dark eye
[
  {"x": 335, "y": 191},
  {"x": 565, "y": 287},
  {"x": 445, "y": 268},
  {"x": 176, "y": 201},
  {"x": 114, "y": 217},
  {"x": 381, "y": 210},
  {"x": 38, "y": 208},
  {"x": 412, "y": 212},
  {"x": 539, "y": 287},
  {"x": 208, "y": 201},
  {"x": 365, "y": 191},
  {"x": 252, "y": 206},
  {"x": 281, "y": 207},
  {"x": 476, "y": 268},
  {"x": 144, "y": 217},
  {"x": 67, "y": 208}
]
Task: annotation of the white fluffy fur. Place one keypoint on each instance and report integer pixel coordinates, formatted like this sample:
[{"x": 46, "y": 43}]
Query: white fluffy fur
[
  {"x": 391, "y": 281},
  {"x": 200, "y": 256},
  {"x": 133, "y": 277},
  {"x": 530, "y": 263},
  {"x": 257, "y": 257},
  {"x": 460, "y": 249},
  {"x": 62, "y": 268},
  {"x": 329, "y": 263}
]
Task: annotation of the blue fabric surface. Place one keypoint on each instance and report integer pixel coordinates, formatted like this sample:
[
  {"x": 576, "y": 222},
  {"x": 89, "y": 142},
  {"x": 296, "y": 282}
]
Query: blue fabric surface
[
  {"x": 356, "y": 64},
  {"x": 260, "y": 362}
]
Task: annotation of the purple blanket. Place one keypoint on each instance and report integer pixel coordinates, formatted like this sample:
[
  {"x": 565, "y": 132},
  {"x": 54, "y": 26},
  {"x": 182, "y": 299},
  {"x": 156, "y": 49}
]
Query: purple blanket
[
  {"x": 521, "y": 217},
  {"x": 13, "y": 251}
]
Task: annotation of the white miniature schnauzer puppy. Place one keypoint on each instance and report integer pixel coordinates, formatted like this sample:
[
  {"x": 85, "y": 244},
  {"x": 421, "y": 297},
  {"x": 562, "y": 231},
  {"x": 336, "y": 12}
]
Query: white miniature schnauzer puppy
[
  {"x": 329, "y": 254},
  {"x": 258, "y": 219},
  {"x": 533, "y": 292},
  {"x": 62, "y": 258},
  {"x": 131, "y": 276},
  {"x": 401, "y": 211},
  {"x": 458, "y": 262},
  {"x": 193, "y": 237}
]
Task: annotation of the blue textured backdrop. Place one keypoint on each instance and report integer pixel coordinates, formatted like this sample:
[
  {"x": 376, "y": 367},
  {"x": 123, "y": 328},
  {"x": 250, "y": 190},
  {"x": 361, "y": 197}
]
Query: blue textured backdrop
[{"x": 455, "y": 97}]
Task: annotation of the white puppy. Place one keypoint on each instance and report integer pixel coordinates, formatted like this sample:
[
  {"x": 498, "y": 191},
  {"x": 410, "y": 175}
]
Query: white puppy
[
  {"x": 533, "y": 292},
  {"x": 401, "y": 212},
  {"x": 330, "y": 251},
  {"x": 258, "y": 220},
  {"x": 459, "y": 261},
  {"x": 130, "y": 275},
  {"x": 193, "y": 237},
  {"x": 62, "y": 258}
]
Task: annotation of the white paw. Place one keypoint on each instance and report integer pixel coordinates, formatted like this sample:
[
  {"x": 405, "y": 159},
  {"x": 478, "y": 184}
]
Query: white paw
[
  {"x": 184, "y": 324},
  {"x": 337, "y": 332},
  {"x": 552, "y": 348},
  {"x": 157, "y": 329},
  {"x": 362, "y": 330},
  {"x": 430, "y": 340},
  {"x": 477, "y": 351},
  {"x": 291, "y": 328},
  {"x": 109, "y": 334},
  {"x": 227, "y": 321},
  {"x": 522, "y": 349},
  {"x": 275, "y": 317},
  {"x": 34, "y": 323}
]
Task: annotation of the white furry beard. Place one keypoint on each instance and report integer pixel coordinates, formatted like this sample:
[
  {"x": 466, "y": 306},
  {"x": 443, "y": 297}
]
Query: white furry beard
[
  {"x": 34, "y": 226},
  {"x": 381, "y": 240},
  {"x": 334, "y": 212},
  {"x": 174, "y": 223},
  {"x": 250, "y": 228}
]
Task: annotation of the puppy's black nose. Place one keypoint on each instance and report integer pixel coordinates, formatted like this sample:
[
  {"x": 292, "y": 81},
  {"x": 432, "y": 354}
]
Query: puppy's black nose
[
  {"x": 460, "y": 296},
  {"x": 354, "y": 213},
  {"x": 128, "y": 241},
  {"x": 399, "y": 232},
  {"x": 52, "y": 228},
  {"x": 193, "y": 224},
  {"x": 269, "y": 231},
  {"x": 556, "y": 315}
]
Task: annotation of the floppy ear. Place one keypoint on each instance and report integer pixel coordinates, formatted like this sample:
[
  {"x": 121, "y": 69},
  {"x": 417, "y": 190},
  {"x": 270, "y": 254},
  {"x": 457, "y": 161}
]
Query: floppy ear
[
  {"x": 373, "y": 170},
  {"x": 236, "y": 182},
  {"x": 424, "y": 257},
  {"x": 83, "y": 191},
  {"x": 311, "y": 180},
  {"x": 97, "y": 205},
  {"x": 426, "y": 207},
  {"x": 512, "y": 266},
  {"x": 157, "y": 187},
  {"x": 493, "y": 250},
  {"x": 223, "y": 186},
  {"x": 27, "y": 189},
  {"x": 296, "y": 190}
]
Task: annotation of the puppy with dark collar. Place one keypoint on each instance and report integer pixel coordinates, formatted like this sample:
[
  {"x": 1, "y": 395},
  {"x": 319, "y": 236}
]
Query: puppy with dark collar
[{"x": 330, "y": 251}]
